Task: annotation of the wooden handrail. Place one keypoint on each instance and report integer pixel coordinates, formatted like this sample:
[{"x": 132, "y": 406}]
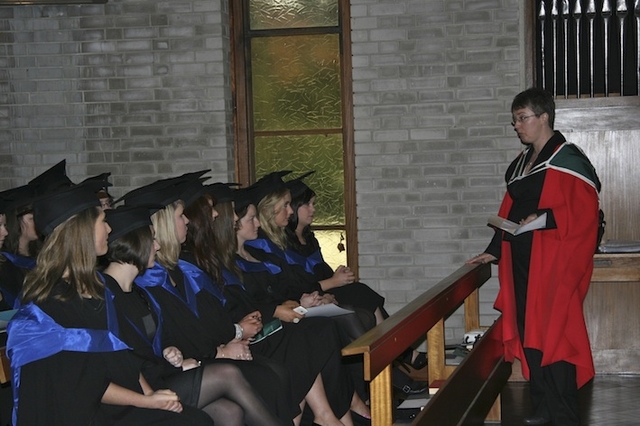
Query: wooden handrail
[{"x": 381, "y": 345}]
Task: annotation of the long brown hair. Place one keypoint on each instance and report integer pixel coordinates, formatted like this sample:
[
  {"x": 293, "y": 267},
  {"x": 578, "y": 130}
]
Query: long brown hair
[
  {"x": 225, "y": 242},
  {"x": 267, "y": 212},
  {"x": 68, "y": 253},
  {"x": 200, "y": 237}
]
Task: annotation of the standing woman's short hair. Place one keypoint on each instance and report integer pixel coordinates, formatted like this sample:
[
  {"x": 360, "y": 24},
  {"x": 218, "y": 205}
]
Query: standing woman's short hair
[
  {"x": 537, "y": 100},
  {"x": 167, "y": 235}
]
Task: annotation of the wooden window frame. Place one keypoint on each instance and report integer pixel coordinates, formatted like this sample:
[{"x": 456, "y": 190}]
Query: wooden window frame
[{"x": 244, "y": 153}]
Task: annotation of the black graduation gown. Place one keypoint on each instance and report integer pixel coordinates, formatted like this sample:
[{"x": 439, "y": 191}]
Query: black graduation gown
[
  {"x": 310, "y": 347},
  {"x": 66, "y": 388},
  {"x": 11, "y": 279},
  {"x": 356, "y": 294},
  {"x": 199, "y": 337},
  {"x": 292, "y": 282},
  {"x": 137, "y": 328}
]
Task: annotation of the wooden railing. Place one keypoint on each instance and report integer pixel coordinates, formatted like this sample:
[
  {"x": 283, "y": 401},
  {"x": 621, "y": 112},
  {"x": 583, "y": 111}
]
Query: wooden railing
[{"x": 471, "y": 390}]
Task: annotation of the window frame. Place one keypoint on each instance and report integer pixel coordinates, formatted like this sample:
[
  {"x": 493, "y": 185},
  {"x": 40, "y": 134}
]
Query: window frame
[{"x": 242, "y": 128}]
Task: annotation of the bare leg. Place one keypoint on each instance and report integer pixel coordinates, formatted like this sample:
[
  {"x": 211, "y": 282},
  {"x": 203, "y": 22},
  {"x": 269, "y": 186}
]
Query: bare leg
[
  {"x": 379, "y": 316},
  {"x": 359, "y": 406},
  {"x": 317, "y": 400}
]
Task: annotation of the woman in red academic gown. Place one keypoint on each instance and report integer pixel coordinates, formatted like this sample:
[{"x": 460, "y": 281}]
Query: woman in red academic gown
[{"x": 544, "y": 274}]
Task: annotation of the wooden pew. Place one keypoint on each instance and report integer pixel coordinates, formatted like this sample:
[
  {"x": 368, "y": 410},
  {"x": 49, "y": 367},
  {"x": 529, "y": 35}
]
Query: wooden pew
[{"x": 470, "y": 389}]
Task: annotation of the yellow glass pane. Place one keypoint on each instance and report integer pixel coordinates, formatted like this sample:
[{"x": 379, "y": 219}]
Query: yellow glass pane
[
  {"x": 268, "y": 14},
  {"x": 322, "y": 153},
  {"x": 329, "y": 241},
  {"x": 296, "y": 82}
]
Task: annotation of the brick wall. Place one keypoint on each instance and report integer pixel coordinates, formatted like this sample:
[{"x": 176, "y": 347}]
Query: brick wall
[
  {"x": 138, "y": 88},
  {"x": 433, "y": 83},
  {"x": 141, "y": 88}
]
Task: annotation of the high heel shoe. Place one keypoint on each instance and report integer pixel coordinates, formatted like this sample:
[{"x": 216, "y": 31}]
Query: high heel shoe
[{"x": 360, "y": 420}]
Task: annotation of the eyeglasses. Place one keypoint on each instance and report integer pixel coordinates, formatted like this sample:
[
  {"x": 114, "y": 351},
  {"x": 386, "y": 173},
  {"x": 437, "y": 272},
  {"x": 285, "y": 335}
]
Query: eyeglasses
[{"x": 522, "y": 119}]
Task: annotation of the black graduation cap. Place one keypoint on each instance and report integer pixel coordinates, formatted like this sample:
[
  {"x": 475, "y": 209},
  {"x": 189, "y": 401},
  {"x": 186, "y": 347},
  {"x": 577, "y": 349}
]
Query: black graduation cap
[
  {"x": 52, "y": 179},
  {"x": 54, "y": 208},
  {"x": 102, "y": 177},
  {"x": 245, "y": 196},
  {"x": 155, "y": 190},
  {"x": 222, "y": 192},
  {"x": 187, "y": 176},
  {"x": 193, "y": 189},
  {"x": 270, "y": 183},
  {"x": 297, "y": 186},
  {"x": 5, "y": 204},
  {"x": 164, "y": 194},
  {"x": 19, "y": 198},
  {"x": 125, "y": 219}
]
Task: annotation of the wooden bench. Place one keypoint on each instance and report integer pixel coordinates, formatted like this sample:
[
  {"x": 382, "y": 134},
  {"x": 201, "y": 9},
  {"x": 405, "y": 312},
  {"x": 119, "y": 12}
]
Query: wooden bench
[{"x": 471, "y": 390}]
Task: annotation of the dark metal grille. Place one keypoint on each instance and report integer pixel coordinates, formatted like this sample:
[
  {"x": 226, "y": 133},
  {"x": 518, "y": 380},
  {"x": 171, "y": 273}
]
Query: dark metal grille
[{"x": 588, "y": 48}]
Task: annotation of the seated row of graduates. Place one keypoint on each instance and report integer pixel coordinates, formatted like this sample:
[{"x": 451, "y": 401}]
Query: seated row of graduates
[{"x": 187, "y": 285}]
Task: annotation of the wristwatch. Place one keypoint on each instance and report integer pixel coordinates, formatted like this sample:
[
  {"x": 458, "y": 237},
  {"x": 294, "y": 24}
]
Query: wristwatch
[{"x": 239, "y": 331}]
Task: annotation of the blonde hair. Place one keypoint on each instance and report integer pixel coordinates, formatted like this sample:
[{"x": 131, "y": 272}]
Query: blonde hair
[
  {"x": 267, "y": 213},
  {"x": 69, "y": 252},
  {"x": 166, "y": 235}
]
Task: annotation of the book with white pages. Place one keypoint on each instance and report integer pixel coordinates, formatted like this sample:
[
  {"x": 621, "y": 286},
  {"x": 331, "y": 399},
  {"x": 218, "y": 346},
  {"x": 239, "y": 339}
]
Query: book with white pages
[
  {"x": 328, "y": 310},
  {"x": 515, "y": 228}
]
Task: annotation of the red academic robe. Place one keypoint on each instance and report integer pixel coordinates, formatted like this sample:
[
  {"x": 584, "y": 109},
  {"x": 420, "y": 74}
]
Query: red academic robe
[{"x": 559, "y": 276}]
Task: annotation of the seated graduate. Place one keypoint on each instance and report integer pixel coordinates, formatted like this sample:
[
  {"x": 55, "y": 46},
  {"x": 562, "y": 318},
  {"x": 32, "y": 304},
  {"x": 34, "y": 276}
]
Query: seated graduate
[
  {"x": 272, "y": 199},
  {"x": 303, "y": 250},
  {"x": 310, "y": 349},
  {"x": 68, "y": 367},
  {"x": 274, "y": 245},
  {"x": 193, "y": 317},
  {"x": 21, "y": 244},
  {"x": 217, "y": 388}
]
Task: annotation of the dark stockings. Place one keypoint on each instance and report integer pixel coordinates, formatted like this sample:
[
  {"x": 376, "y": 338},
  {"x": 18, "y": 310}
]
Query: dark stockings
[{"x": 223, "y": 387}]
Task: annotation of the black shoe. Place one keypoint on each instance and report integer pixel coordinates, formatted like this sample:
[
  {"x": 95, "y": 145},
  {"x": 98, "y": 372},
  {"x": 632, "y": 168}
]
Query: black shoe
[
  {"x": 535, "y": 420},
  {"x": 359, "y": 420}
]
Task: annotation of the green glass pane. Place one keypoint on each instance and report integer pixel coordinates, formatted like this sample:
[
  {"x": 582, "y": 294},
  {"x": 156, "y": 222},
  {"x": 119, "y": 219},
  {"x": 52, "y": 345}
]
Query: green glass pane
[
  {"x": 268, "y": 14},
  {"x": 296, "y": 83},
  {"x": 329, "y": 241},
  {"x": 322, "y": 153}
]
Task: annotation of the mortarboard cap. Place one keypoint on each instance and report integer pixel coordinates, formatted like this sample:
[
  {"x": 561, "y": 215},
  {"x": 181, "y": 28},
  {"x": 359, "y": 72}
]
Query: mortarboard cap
[
  {"x": 52, "y": 179},
  {"x": 5, "y": 204},
  {"x": 222, "y": 192},
  {"x": 297, "y": 186},
  {"x": 245, "y": 196},
  {"x": 193, "y": 189},
  {"x": 19, "y": 198},
  {"x": 125, "y": 219},
  {"x": 163, "y": 194},
  {"x": 270, "y": 183},
  {"x": 52, "y": 209},
  {"x": 103, "y": 177},
  {"x": 155, "y": 189}
]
